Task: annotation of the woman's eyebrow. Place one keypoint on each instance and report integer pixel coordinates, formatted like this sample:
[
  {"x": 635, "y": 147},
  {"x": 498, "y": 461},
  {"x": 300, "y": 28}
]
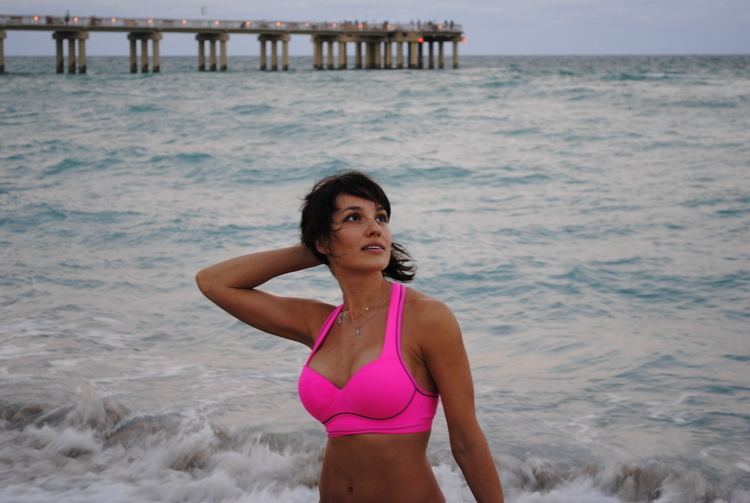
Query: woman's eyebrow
[{"x": 359, "y": 208}]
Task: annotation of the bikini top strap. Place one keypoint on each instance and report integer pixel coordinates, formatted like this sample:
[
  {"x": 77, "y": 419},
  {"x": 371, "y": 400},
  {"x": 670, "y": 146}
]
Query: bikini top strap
[
  {"x": 324, "y": 331},
  {"x": 393, "y": 323}
]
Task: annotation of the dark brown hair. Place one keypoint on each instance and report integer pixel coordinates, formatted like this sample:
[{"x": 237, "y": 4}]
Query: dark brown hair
[{"x": 320, "y": 205}]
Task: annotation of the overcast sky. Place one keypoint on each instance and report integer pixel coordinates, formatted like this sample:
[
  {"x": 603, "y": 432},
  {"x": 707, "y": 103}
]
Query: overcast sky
[{"x": 491, "y": 26}]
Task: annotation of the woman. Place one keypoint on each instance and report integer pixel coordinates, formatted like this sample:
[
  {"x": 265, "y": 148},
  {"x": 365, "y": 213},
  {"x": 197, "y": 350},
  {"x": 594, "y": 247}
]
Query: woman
[{"x": 378, "y": 362}]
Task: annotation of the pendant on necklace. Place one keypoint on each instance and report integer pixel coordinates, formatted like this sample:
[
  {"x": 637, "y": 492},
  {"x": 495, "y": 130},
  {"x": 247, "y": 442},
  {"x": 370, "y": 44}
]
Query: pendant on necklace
[{"x": 357, "y": 332}]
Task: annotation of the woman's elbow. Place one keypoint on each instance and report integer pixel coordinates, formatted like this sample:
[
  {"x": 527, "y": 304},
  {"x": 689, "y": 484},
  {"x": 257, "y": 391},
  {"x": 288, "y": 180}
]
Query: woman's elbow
[
  {"x": 203, "y": 280},
  {"x": 465, "y": 439},
  {"x": 461, "y": 447}
]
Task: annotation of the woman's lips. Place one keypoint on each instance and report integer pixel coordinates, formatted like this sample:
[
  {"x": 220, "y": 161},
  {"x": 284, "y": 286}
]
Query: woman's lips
[{"x": 374, "y": 248}]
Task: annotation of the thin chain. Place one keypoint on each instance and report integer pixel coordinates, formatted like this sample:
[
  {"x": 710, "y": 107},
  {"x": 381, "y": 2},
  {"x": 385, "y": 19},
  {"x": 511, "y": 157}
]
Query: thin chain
[{"x": 358, "y": 329}]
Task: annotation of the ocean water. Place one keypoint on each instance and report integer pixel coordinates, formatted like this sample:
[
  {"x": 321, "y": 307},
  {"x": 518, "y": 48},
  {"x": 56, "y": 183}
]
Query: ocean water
[{"x": 586, "y": 218}]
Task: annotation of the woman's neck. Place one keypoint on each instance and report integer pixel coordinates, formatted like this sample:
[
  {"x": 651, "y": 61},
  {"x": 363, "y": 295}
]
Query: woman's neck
[{"x": 364, "y": 292}]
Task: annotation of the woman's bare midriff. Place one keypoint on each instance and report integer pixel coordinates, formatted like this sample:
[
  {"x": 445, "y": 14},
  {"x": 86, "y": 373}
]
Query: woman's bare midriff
[{"x": 378, "y": 468}]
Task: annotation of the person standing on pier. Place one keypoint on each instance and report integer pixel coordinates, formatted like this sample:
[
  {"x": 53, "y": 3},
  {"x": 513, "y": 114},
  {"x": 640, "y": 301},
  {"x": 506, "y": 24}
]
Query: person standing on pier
[{"x": 379, "y": 363}]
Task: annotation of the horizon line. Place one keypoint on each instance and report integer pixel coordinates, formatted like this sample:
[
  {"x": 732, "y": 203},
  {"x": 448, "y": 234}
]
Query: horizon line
[{"x": 464, "y": 55}]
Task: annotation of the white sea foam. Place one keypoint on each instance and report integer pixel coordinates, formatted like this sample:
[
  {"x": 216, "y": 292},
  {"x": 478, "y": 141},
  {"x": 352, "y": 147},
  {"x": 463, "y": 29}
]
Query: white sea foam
[{"x": 193, "y": 461}]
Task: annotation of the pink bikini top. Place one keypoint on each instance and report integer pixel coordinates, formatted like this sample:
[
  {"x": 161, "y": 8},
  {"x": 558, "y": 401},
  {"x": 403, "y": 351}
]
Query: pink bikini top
[{"x": 381, "y": 396}]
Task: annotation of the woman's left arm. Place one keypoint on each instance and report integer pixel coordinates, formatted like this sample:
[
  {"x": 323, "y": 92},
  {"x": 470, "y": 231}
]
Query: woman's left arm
[{"x": 446, "y": 360}]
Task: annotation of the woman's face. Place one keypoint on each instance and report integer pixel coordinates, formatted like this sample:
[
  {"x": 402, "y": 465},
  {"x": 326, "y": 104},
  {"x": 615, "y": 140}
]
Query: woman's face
[{"x": 360, "y": 235}]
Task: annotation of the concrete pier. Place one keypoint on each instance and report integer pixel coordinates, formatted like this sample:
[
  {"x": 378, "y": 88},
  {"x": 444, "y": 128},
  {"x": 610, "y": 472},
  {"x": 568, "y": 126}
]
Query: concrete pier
[
  {"x": 133, "y": 63},
  {"x": 342, "y": 54},
  {"x": 212, "y": 55},
  {"x": 156, "y": 55},
  {"x": 274, "y": 39},
  {"x": 285, "y": 53},
  {"x": 201, "y": 54},
  {"x": 369, "y": 55},
  {"x": 71, "y": 55},
  {"x": 413, "y": 55},
  {"x": 144, "y": 55},
  {"x": 324, "y": 52},
  {"x": 262, "y": 53},
  {"x": 223, "y": 61},
  {"x": 274, "y": 56},
  {"x": 144, "y": 38},
  {"x": 330, "y": 55},
  {"x": 75, "y": 65},
  {"x": 82, "y": 37},
  {"x": 2, "y": 51},
  {"x": 379, "y": 40},
  {"x": 213, "y": 64}
]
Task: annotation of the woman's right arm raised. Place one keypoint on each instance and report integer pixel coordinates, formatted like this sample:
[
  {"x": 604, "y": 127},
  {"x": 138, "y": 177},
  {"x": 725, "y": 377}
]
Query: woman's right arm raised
[{"x": 231, "y": 286}]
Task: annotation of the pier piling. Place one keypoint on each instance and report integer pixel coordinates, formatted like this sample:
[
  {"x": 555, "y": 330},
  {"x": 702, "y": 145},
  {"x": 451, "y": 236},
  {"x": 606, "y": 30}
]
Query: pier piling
[
  {"x": 75, "y": 64},
  {"x": 212, "y": 55},
  {"x": 72, "y": 55},
  {"x": 59, "y": 64},
  {"x": 144, "y": 55},
  {"x": 133, "y": 60},
  {"x": 274, "y": 39},
  {"x": 342, "y": 54},
  {"x": 82, "y": 36},
  {"x": 262, "y": 53},
  {"x": 201, "y": 54},
  {"x": 369, "y": 56},
  {"x": 2, "y": 51},
  {"x": 223, "y": 62},
  {"x": 156, "y": 57},
  {"x": 317, "y": 49},
  {"x": 285, "y": 53},
  {"x": 213, "y": 64},
  {"x": 144, "y": 37}
]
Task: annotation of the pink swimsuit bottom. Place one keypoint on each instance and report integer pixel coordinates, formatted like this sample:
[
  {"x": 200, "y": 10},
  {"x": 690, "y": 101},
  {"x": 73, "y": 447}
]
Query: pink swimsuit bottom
[{"x": 381, "y": 396}]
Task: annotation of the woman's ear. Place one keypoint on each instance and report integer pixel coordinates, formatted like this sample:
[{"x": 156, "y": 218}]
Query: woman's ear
[{"x": 322, "y": 247}]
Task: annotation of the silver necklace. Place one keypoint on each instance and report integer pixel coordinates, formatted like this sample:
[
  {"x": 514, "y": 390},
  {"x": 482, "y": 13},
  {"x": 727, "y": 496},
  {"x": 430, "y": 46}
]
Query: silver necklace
[{"x": 358, "y": 329}]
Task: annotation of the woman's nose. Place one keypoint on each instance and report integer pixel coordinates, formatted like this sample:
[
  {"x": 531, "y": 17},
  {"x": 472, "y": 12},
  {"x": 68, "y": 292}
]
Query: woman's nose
[{"x": 372, "y": 227}]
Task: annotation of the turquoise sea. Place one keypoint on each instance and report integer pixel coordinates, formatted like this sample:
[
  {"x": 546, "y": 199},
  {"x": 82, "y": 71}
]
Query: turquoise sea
[{"x": 586, "y": 218}]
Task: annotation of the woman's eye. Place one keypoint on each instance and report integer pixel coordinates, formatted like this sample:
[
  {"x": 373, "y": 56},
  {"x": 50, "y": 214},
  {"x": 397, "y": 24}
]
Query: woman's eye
[{"x": 356, "y": 217}]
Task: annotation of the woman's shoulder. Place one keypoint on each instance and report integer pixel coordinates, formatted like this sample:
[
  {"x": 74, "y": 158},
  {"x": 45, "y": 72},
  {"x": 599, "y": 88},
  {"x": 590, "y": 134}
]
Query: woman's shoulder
[{"x": 428, "y": 311}]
